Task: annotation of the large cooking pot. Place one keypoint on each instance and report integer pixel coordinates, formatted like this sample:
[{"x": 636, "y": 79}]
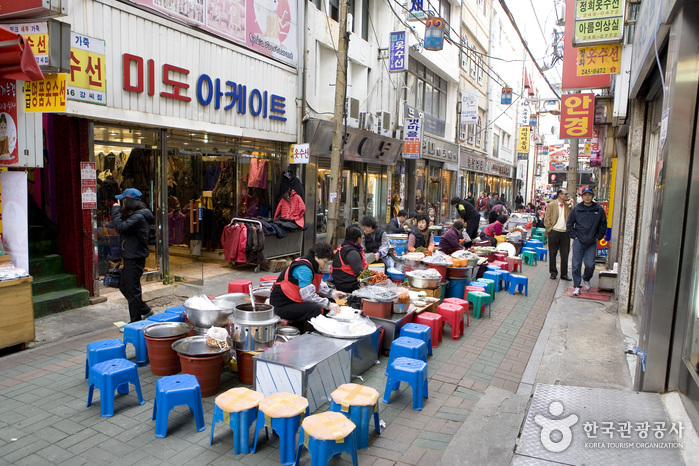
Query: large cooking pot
[
  {"x": 203, "y": 319},
  {"x": 253, "y": 330}
]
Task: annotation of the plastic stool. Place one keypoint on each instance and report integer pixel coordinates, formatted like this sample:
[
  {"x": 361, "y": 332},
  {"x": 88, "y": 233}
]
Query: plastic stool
[
  {"x": 166, "y": 317},
  {"x": 454, "y": 314},
  {"x": 490, "y": 285},
  {"x": 109, "y": 375},
  {"x": 268, "y": 278},
  {"x": 529, "y": 257},
  {"x": 519, "y": 282},
  {"x": 528, "y": 248},
  {"x": 240, "y": 286},
  {"x": 434, "y": 321},
  {"x": 420, "y": 332},
  {"x": 237, "y": 407},
  {"x": 104, "y": 350},
  {"x": 409, "y": 348},
  {"x": 133, "y": 333},
  {"x": 500, "y": 256},
  {"x": 498, "y": 277},
  {"x": 359, "y": 404},
  {"x": 326, "y": 435},
  {"x": 479, "y": 299},
  {"x": 542, "y": 254},
  {"x": 176, "y": 390},
  {"x": 501, "y": 264},
  {"x": 483, "y": 287},
  {"x": 412, "y": 371},
  {"x": 534, "y": 243},
  {"x": 460, "y": 302},
  {"x": 176, "y": 310},
  {"x": 514, "y": 263},
  {"x": 282, "y": 412},
  {"x": 493, "y": 266}
]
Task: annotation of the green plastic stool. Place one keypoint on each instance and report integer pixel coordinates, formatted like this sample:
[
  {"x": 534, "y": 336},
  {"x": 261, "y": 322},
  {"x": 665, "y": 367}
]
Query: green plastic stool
[
  {"x": 479, "y": 299},
  {"x": 529, "y": 257},
  {"x": 491, "y": 285}
]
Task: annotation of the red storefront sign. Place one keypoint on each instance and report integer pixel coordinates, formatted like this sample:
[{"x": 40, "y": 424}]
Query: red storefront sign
[
  {"x": 577, "y": 115},
  {"x": 571, "y": 80}
]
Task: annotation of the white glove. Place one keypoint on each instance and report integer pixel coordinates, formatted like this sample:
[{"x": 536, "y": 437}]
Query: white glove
[{"x": 332, "y": 310}]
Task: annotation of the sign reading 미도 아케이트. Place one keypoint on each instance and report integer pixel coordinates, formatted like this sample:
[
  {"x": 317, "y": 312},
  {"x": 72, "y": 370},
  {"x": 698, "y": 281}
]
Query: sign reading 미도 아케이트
[{"x": 87, "y": 81}]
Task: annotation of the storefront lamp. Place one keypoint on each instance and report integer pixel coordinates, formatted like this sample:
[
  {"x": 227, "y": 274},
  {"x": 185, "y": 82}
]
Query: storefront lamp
[{"x": 434, "y": 33}]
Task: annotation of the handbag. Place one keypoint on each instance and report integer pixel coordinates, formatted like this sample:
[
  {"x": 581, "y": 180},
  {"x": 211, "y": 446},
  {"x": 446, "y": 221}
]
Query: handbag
[{"x": 112, "y": 277}]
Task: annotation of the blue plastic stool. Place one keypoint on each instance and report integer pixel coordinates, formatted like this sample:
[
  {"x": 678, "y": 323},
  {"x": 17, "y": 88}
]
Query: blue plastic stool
[
  {"x": 534, "y": 243},
  {"x": 484, "y": 286},
  {"x": 419, "y": 331},
  {"x": 527, "y": 249},
  {"x": 285, "y": 427},
  {"x": 166, "y": 317},
  {"x": 180, "y": 310},
  {"x": 411, "y": 371},
  {"x": 104, "y": 350},
  {"x": 542, "y": 254},
  {"x": 176, "y": 390},
  {"x": 519, "y": 283},
  {"x": 359, "y": 404},
  {"x": 133, "y": 333},
  {"x": 326, "y": 435},
  {"x": 492, "y": 267},
  {"x": 494, "y": 276},
  {"x": 109, "y": 375},
  {"x": 408, "y": 348},
  {"x": 239, "y": 405}
]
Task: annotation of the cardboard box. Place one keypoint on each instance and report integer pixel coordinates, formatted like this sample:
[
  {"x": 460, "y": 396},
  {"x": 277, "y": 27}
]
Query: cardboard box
[
  {"x": 276, "y": 265},
  {"x": 436, "y": 293}
]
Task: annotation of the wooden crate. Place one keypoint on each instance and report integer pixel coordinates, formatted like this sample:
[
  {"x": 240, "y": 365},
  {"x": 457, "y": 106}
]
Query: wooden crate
[{"x": 16, "y": 312}]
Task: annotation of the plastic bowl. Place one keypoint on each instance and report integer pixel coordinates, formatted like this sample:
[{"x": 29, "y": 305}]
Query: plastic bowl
[{"x": 424, "y": 283}]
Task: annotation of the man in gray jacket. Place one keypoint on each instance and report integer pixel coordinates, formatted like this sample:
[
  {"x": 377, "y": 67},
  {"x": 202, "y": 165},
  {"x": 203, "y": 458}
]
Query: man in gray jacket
[
  {"x": 587, "y": 224},
  {"x": 555, "y": 221}
]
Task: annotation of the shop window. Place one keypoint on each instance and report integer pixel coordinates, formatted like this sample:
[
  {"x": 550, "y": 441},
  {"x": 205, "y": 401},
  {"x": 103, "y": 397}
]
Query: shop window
[
  {"x": 471, "y": 133},
  {"x": 429, "y": 88},
  {"x": 478, "y": 132},
  {"x": 496, "y": 145},
  {"x": 481, "y": 65},
  {"x": 473, "y": 63}
]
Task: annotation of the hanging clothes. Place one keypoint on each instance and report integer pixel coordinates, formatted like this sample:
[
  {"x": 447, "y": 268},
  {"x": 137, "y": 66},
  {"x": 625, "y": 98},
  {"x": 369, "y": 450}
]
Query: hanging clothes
[
  {"x": 288, "y": 181},
  {"x": 211, "y": 177},
  {"x": 176, "y": 226},
  {"x": 233, "y": 240},
  {"x": 258, "y": 174}
]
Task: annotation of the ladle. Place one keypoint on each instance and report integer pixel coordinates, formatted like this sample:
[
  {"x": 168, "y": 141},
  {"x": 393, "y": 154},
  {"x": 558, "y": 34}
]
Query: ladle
[{"x": 252, "y": 298}]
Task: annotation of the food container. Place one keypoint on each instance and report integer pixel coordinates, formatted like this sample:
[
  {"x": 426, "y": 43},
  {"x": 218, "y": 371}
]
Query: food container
[
  {"x": 442, "y": 269},
  {"x": 262, "y": 294},
  {"x": 201, "y": 361},
  {"x": 400, "y": 308},
  {"x": 253, "y": 330},
  {"x": 396, "y": 277},
  {"x": 203, "y": 319},
  {"x": 459, "y": 272},
  {"x": 377, "y": 309},
  {"x": 287, "y": 333},
  {"x": 425, "y": 283},
  {"x": 159, "y": 340}
]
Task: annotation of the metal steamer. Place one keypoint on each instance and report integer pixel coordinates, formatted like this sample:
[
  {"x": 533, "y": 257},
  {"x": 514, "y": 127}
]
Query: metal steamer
[{"x": 253, "y": 328}]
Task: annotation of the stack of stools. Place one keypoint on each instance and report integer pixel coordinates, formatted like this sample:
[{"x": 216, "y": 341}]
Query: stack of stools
[
  {"x": 282, "y": 412},
  {"x": 483, "y": 286},
  {"x": 408, "y": 347},
  {"x": 359, "y": 404},
  {"x": 133, "y": 333},
  {"x": 500, "y": 256},
  {"x": 498, "y": 276},
  {"x": 528, "y": 256},
  {"x": 104, "y": 350},
  {"x": 464, "y": 307},
  {"x": 420, "y": 332},
  {"x": 166, "y": 317},
  {"x": 180, "y": 310},
  {"x": 412, "y": 371},
  {"x": 534, "y": 243},
  {"x": 502, "y": 264},
  {"x": 268, "y": 280},
  {"x": 326, "y": 435},
  {"x": 109, "y": 375},
  {"x": 514, "y": 263},
  {"x": 239, "y": 286},
  {"x": 542, "y": 253},
  {"x": 237, "y": 407},
  {"x": 519, "y": 283},
  {"x": 177, "y": 390},
  {"x": 493, "y": 266},
  {"x": 479, "y": 299},
  {"x": 539, "y": 234},
  {"x": 434, "y": 321},
  {"x": 490, "y": 285},
  {"x": 452, "y": 313}
]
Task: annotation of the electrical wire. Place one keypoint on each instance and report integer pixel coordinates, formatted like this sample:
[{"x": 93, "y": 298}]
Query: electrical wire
[{"x": 537, "y": 20}]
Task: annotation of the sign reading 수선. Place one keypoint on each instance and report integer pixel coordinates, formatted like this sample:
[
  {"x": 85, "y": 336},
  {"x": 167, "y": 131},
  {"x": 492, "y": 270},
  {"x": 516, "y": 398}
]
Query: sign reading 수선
[
  {"x": 46, "y": 96},
  {"x": 299, "y": 153},
  {"x": 605, "y": 59}
]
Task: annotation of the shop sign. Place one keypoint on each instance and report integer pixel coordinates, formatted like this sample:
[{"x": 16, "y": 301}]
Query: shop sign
[
  {"x": 603, "y": 244},
  {"x": 46, "y": 96},
  {"x": 9, "y": 153},
  {"x": 434, "y": 33},
  {"x": 506, "y": 96},
  {"x": 469, "y": 107},
  {"x": 88, "y": 185},
  {"x": 87, "y": 81},
  {"x": 398, "y": 58},
  {"x": 412, "y": 141},
  {"x": 139, "y": 78},
  {"x": 590, "y": 9},
  {"x": 417, "y": 11},
  {"x": 299, "y": 153},
  {"x": 570, "y": 78},
  {"x": 577, "y": 115},
  {"x": 266, "y": 26},
  {"x": 598, "y": 31},
  {"x": 605, "y": 59},
  {"x": 523, "y": 114},
  {"x": 37, "y": 36},
  {"x": 523, "y": 141}
]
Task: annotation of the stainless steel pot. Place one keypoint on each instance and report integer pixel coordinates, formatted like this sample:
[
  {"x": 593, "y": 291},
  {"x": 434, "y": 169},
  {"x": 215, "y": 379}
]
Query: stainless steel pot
[
  {"x": 205, "y": 319},
  {"x": 253, "y": 330},
  {"x": 287, "y": 333}
]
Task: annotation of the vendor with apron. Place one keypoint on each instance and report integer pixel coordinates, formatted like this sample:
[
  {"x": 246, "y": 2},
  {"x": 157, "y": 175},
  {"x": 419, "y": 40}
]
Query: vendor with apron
[
  {"x": 375, "y": 242},
  {"x": 299, "y": 293},
  {"x": 421, "y": 236},
  {"x": 349, "y": 261}
]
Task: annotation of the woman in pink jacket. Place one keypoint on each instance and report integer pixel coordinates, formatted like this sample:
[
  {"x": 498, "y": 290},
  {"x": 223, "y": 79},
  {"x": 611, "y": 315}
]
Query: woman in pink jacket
[{"x": 291, "y": 207}]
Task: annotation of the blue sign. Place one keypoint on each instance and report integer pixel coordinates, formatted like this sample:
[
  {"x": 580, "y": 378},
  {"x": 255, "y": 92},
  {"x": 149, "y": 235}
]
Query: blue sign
[
  {"x": 506, "y": 96},
  {"x": 398, "y": 57}
]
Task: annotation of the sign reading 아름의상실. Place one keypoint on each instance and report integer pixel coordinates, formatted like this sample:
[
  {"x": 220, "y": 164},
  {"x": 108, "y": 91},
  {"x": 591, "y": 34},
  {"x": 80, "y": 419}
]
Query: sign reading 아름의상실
[{"x": 577, "y": 115}]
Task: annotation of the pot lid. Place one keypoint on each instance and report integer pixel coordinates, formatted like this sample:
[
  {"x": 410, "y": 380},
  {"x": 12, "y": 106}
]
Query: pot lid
[
  {"x": 195, "y": 346},
  {"x": 166, "y": 329}
]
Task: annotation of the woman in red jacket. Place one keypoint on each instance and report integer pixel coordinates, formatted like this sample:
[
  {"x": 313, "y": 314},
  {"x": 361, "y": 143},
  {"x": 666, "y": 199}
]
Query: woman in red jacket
[{"x": 291, "y": 207}]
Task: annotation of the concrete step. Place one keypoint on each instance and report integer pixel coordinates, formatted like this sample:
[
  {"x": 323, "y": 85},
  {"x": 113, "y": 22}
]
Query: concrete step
[
  {"x": 42, "y": 247},
  {"x": 50, "y": 264},
  {"x": 55, "y": 282},
  {"x": 59, "y": 301}
]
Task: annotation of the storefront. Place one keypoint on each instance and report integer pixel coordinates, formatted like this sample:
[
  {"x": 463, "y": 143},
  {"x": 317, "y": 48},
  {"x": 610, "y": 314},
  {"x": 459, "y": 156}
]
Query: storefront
[{"x": 485, "y": 175}]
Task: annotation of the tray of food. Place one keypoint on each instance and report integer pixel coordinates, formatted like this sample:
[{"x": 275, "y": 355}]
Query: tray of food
[
  {"x": 333, "y": 328},
  {"x": 347, "y": 314}
]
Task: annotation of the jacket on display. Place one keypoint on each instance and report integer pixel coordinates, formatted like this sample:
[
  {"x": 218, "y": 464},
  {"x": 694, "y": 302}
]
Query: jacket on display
[
  {"x": 293, "y": 209},
  {"x": 289, "y": 181}
]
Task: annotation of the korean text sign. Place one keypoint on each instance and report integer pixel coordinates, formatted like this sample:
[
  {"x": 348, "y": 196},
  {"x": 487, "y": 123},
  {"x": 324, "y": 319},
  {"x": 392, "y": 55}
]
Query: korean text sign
[
  {"x": 87, "y": 82},
  {"x": 46, "y": 96},
  {"x": 299, "y": 153},
  {"x": 412, "y": 142},
  {"x": 37, "y": 36},
  {"x": 577, "y": 115},
  {"x": 397, "y": 52},
  {"x": 605, "y": 59},
  {"x": 523, "y": 140}
]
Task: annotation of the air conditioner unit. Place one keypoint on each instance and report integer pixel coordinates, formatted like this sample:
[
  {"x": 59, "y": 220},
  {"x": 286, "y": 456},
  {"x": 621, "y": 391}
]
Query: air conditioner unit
[
  {"x": 352, "y": 109},
  {"x": 385, "y": 124}
]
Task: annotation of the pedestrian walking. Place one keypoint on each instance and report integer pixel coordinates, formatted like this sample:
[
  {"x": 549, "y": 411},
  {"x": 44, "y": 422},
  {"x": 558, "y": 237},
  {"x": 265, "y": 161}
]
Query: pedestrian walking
[
  {"x": 555, "y": 222},
  {"x": 586, "y": 225},
  {"x": 132, "y": 220}
]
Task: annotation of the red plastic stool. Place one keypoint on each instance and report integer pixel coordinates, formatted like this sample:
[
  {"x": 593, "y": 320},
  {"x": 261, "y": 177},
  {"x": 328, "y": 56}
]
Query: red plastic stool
[
  {"x": 500, "y": 256},
  {"x": 460, "y": 302},
  {"x": 471, "y": 288},
  {"x": 452, "y": 313},
  {"x": 514, "y": 263},
  {"x": 434, "y": 322},
  {"x": 502, "y": 264},
  {"x": 268, "y": 278},
  {"x": 239, "y": 286}
]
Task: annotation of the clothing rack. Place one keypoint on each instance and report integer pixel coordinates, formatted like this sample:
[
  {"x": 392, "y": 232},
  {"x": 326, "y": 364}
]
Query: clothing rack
[{"x": 276, "y": 247}]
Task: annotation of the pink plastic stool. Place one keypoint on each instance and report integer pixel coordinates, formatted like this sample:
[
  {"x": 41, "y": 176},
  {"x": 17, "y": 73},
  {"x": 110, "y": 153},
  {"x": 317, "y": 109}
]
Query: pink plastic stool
[
  {"x": 452, "y": 313},
  {"x": 239, "y": 286},
  {"x": 502, "y": 264},
  {"x": 434, "y": 322},
  {"x": 500, "y": 256},
  {"x": 460, "y": 302},
  {"x": 514, "y": 263},
  {"x": 471, "y": 288}
]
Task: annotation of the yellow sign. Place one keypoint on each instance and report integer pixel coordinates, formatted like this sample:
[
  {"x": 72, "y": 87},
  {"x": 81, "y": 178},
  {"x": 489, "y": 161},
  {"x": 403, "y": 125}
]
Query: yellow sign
[
  {"x": 523, "y": 140},
  {"x": 605, "y": 59},
  {"x": 46, "y": 96},
  {"x": 590, "y": 9},
  {"x": 87, "y": 81},
  {"x": 598, "y": 31},
  {"x": 37, "y": 36}
]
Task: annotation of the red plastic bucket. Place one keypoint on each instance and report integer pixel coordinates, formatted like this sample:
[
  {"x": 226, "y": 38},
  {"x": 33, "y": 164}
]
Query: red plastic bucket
[{"x": 442, "y": 269}]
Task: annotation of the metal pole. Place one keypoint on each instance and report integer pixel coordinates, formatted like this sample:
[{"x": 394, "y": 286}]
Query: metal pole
[
  {"x": 573, "y": 170},
  {"x": 338, "y": 130}
]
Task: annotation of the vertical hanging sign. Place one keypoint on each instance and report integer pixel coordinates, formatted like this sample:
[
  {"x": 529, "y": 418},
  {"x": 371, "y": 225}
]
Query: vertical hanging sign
[
  {"x": 577, "y": 116},
  {"x": 523, "y": 142},
  {"x": 9, "y": 154},
  {"x": 87, "y": 81},
  {"x": 412, "y": 142},
  {"x": 506, "y": 96},
  {"x": 469, "y": 107},
  {"x": 398, "y": 58}
]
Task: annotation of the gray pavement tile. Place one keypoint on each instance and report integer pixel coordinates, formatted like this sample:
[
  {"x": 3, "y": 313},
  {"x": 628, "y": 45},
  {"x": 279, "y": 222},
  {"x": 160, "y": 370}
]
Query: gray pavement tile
[
  {"x": 434, "y": 436},
  {"x": 452, "y": 414},
  {"x": 158, "y": 450},
  {"x": 54, "y": 454},
  {"x": 97, "y": 455},
  {"x": 68, "y": 426},
  {"x": 76, "y": 437},
  {"x": 129, "y": 457},
  {"x": 389, "y": 444},
  {"x": 29, "y": 446},
  {"x": 30, "y": 460},
  {"x": 50, "y": 434},
  {"x": 413, "y": 454},
  {"x": 431, "y": 445},
  {"x": 88, "y": 443}
]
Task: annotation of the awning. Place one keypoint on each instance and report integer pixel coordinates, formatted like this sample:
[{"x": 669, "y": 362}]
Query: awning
[{"x": 16, "y": 58}]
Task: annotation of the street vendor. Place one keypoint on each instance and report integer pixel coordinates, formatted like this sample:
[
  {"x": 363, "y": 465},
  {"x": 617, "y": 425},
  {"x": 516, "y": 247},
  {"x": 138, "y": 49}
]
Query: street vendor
[
  {"x": 375, "y": 241},
  {"x": 420, "y": 235},
  {"x": 494, "y": 229},
  {"x": 451, "y": 240},
  {"x": 299, "y": 293},
  {"x": 349, "y": 261}
]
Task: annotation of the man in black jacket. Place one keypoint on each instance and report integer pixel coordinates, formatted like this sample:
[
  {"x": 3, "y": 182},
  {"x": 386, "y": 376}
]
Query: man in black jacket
[
  {"x": 586, "y": 225},
  {"x": 396, "y": 223},
  {"x": 469, "y": 214}
]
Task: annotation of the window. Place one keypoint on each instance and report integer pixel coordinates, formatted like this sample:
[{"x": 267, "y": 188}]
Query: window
[
  {"x": 481, "y": 65},
  {"x": 365, "y": 20},
  {"x": 478, "y": 132},
  {"x": 317, "y": 3},
  {"x": 428, "y": 88},
  {"x": 334, "y": 9},
  {"x": 471, "y": 133},
  {"x": 473, "y": 63},
  {"x": 506, "y": 141},
  {"x": 496, "y": 145}
]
